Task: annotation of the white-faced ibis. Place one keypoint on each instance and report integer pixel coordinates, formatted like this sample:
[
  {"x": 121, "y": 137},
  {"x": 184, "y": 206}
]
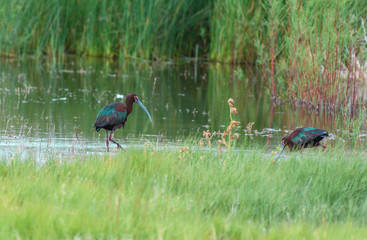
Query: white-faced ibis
[
  {"x": 114, "y": 115},
  {"x": 304, "y": 138}
]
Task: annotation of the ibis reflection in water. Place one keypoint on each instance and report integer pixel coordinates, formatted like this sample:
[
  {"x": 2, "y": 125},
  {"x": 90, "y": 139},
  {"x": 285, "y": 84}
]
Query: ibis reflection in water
[{"x": 114, "y": 116}]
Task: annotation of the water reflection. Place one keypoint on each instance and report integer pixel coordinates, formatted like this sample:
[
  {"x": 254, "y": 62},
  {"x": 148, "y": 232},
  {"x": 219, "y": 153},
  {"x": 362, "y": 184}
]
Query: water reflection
[{"x": 48, "y": 104}]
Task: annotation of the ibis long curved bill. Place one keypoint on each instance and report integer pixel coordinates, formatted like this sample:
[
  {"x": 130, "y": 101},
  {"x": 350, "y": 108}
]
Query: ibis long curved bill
[{"x": 144, "y": 108}]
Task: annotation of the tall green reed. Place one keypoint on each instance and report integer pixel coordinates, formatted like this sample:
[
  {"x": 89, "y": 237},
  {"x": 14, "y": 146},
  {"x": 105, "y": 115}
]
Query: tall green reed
[
  {"x": 311, "y": 51},
  {"x": 349, "y": 126},
  {"x": 234, "y": 25},
  {"x": 322, "y": 54},
  {"x": 139, "y": 29}
]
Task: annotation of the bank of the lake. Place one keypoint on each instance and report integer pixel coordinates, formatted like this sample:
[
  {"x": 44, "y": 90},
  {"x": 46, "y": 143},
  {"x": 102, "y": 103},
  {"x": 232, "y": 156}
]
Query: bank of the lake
[{"x": 186, "y": 193}]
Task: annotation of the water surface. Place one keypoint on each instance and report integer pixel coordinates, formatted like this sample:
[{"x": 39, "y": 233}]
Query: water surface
[{"x": 48, "y": 108}]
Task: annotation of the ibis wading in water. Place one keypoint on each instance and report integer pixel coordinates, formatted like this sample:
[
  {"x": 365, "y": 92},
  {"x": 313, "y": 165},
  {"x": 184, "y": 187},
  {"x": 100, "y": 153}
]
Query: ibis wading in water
[
  {"x": 113, "y": 116},
  {"x": 306, "y": 137}
]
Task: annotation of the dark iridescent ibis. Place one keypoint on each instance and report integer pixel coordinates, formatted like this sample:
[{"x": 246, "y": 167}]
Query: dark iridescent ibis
[
  {"x": 306, "y": 137},
  {"x": 114, "y": 116}
]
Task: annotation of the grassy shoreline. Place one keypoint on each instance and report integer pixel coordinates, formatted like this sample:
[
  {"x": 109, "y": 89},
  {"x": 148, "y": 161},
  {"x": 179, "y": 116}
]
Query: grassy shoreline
[{"x": 186, "y": 194}]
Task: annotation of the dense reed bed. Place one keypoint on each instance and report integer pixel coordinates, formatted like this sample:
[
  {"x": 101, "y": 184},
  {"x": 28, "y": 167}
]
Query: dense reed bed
[
  {"x": 325, "y": 54},
  {"x": 138, "y": 29},
  {"x": 234, "y": 26},
  {"x": 312, "y": 52},
  {"x": 186, "y": 193},
  {"x": 226, "y": 31}
]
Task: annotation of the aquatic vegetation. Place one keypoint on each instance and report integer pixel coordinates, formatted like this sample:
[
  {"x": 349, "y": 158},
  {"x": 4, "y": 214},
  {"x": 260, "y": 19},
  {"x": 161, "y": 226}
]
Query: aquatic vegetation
[
  {"x": 311, "y": 52},
  {"x": 157, "y": 30},
  {"x": 233, "y": 27},
  {"x": 227, "y": 136},
  {"x": 325, "y": 57},
  {"x": 349, "y": 126}
]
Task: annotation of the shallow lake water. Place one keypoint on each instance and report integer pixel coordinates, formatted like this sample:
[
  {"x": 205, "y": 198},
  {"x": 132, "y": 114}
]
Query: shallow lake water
[{"x": 48, "y": 108}]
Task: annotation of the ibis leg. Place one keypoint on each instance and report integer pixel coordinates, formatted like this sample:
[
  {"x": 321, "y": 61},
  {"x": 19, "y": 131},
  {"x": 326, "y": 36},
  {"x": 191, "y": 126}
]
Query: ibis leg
[
  {"x": 111, "y": 139},
  {"x": 277, "y": 158},
  {"x": 319, "y": 144},
  {"x": 107, "y": 140}
]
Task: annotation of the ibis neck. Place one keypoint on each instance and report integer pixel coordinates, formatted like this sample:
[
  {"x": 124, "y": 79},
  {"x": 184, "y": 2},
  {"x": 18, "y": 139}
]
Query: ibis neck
[
  {"x": 129, "y": 105},
  {"x": 286, "y": 141}
]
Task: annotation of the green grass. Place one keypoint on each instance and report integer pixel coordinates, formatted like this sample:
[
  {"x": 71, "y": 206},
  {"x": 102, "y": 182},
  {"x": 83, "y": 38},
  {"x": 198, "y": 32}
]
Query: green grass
[{"x": 192, "y": 194}]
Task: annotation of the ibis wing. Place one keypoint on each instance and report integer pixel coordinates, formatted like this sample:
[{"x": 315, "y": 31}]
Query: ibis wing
[
  {"x": 109, "y": 116},
  {"x": 316, "y": 135},
  {"x": 309, "y": 134}
]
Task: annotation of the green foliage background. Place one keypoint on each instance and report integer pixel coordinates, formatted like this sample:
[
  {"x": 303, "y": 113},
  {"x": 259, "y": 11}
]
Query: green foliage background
[{"x": 223, "y": 30}]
